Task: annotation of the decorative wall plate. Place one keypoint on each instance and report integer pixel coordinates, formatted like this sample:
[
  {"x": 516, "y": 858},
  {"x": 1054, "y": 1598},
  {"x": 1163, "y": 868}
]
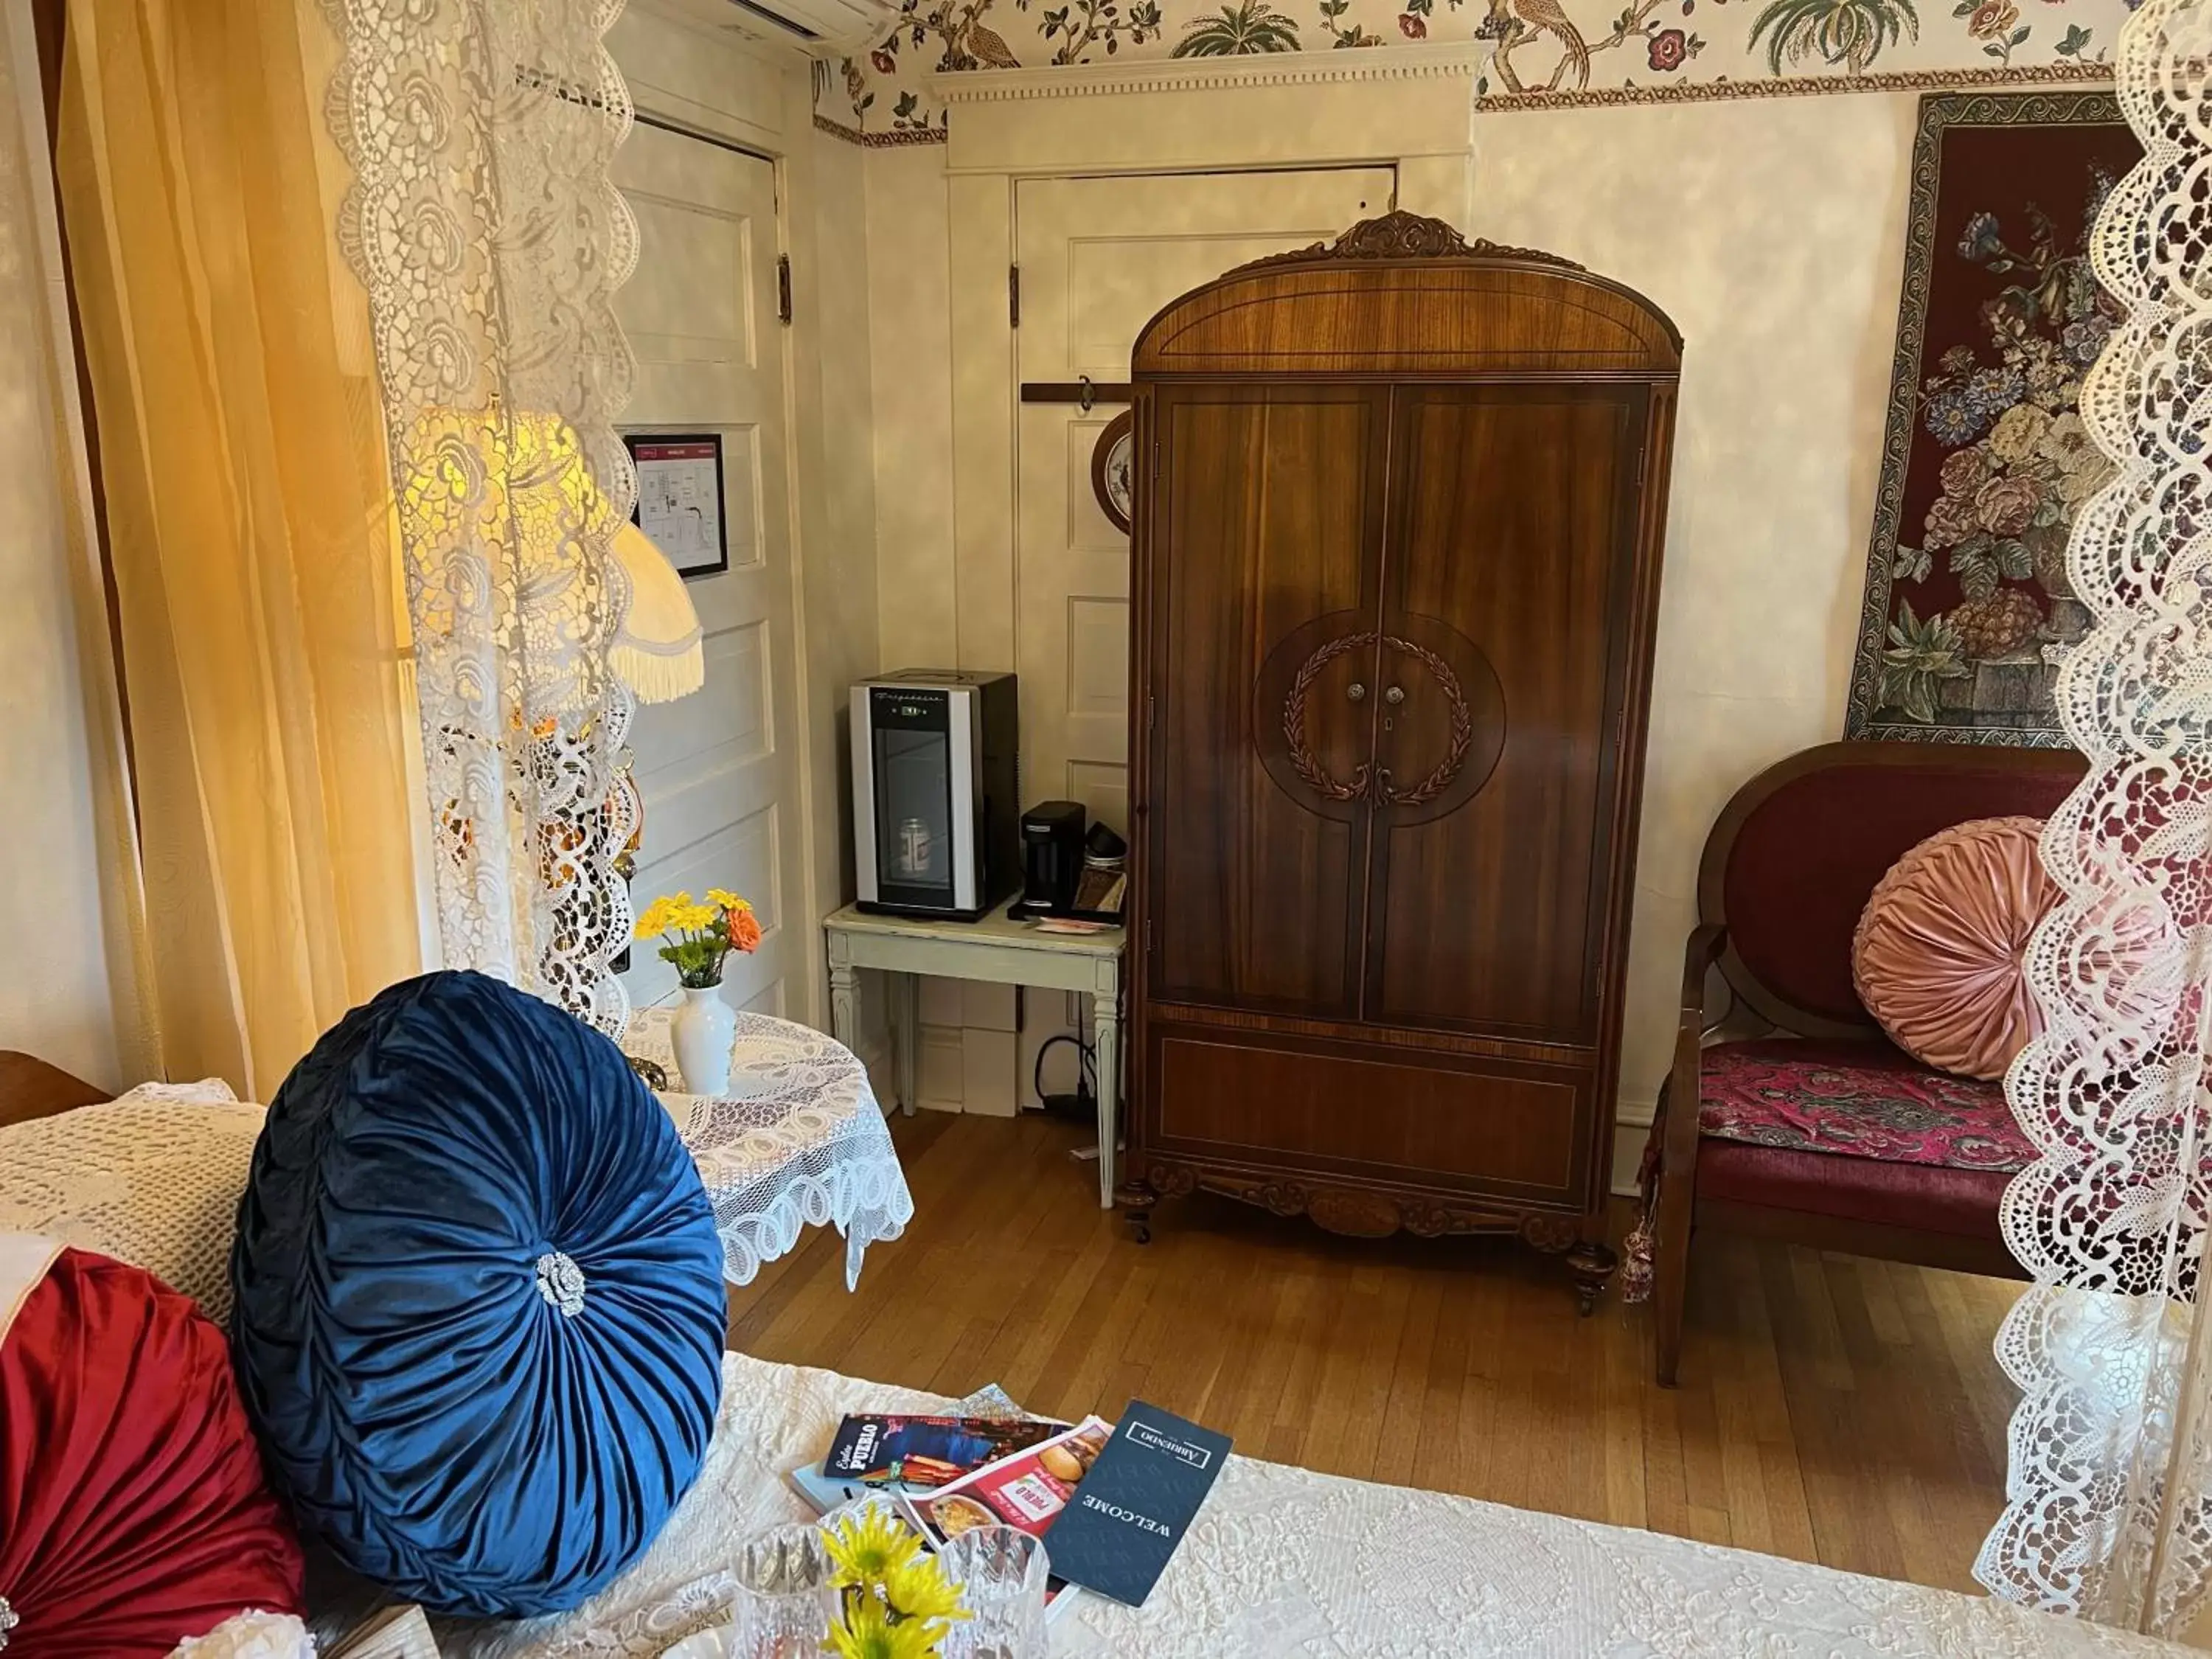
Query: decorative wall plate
[{"x": 1113, "y": 469}]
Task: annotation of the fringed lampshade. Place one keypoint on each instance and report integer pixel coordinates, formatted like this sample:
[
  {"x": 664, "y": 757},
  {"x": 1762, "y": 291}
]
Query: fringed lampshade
[
  {"x": 481, "y": 478},
  {"x": 658, "y": 654}
]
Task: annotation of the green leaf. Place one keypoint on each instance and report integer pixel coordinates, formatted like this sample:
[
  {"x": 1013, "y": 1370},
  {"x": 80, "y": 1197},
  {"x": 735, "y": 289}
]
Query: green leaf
[
  {"x": 2014, "y": 560},
  {"x": 2019, "y": 35},
  {"x": 1976, "y": 569}
]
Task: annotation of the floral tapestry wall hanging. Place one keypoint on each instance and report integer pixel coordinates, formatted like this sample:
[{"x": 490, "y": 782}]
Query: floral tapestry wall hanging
[{"x": 1986, "y": 463}]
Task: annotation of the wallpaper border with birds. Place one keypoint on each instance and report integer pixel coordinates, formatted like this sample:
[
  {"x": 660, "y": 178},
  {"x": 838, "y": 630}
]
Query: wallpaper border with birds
[{"x": 1543, "y": 53}]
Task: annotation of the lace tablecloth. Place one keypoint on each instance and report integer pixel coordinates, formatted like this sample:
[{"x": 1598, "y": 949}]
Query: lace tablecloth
[
  {"x": 798, "y": 1141},
  {"x": 1284, "y": 1563}
]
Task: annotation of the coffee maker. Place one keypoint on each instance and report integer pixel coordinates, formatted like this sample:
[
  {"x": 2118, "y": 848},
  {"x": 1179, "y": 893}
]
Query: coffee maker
[{"x": 1052, "y": 858}]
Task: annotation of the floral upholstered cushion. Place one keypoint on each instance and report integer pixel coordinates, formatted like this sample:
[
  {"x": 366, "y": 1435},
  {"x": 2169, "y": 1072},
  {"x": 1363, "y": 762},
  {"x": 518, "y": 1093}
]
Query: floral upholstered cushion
[{"x": 1859, "y": 1099}]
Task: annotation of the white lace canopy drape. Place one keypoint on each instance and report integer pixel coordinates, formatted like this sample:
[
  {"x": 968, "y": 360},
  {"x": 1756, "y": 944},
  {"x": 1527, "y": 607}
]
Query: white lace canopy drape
[
  {"x": 2109, "y": 1488},
  {"x": 484, "y": 225}
]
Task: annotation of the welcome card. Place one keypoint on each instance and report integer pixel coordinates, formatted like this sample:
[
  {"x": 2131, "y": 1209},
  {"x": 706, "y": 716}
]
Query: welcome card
[{"x": 1133, "y": 1508}]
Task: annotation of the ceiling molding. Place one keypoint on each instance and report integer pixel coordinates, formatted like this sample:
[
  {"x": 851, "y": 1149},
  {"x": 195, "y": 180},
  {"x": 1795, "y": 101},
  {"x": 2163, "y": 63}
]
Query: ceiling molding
[
  {"x": 1171, "y": 75},
  {"x": 2069, "y": 72}
]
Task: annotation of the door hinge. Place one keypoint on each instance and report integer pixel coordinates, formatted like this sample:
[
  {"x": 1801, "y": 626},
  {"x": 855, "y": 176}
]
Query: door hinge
[
  {"x": 1013, "y": 296},
  {"x": 783, "y": 288}
]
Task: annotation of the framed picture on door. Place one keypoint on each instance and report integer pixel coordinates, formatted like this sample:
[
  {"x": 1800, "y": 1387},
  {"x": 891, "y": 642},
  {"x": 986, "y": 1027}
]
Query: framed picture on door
[{"x": 679, "y": 498}]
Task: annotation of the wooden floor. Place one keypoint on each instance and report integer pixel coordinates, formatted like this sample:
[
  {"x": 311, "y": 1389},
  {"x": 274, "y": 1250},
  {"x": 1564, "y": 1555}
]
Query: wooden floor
[{"x": 1833, "y": 1409}]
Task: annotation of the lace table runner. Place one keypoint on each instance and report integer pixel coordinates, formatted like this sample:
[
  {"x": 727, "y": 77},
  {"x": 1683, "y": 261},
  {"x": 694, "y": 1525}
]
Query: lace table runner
[
  {"x": 798, "y": 1141},
  {"x": 1284, "y": 1563}
]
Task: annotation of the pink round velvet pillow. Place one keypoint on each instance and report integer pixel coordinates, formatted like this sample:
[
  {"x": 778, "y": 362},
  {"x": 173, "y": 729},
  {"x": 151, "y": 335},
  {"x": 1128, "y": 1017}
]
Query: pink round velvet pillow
[{"x": 1937, "y": 955}]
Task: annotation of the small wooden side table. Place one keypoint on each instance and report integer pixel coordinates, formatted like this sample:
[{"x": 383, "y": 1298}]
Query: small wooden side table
[{"x": 996, "y": 950}]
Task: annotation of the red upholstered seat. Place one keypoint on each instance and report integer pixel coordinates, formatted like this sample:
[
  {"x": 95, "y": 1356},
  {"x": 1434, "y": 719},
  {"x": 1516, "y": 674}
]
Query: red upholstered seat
[
  {"x": 1926, "y": 1196},
  {"x": 1862, "y": 1100},
  {"x": 1829, "y": 1138}
]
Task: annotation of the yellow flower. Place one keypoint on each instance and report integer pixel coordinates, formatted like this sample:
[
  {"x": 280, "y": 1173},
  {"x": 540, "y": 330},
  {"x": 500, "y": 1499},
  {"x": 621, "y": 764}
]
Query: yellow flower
[
  {"x": 655, "y": 922},
  {"x": 723, "y": 897},
  {"x": 865, "y": 1630},
  {"x": 685, "y": 917},
  {"x": 869, "y": 1544},
  {"x": 919, "y": 1590}
]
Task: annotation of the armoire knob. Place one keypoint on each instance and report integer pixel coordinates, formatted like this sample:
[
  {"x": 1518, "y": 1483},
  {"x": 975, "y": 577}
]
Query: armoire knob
[
  {"x": 1355, "y": 692},
  {"x": 1396, "y": 694}
]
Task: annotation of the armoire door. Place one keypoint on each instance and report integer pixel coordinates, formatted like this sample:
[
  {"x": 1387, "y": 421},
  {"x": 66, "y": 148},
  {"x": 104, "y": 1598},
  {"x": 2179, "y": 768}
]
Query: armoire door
[
  {"x": 1507, "y": 570},
  {"x": 1265, "y": 571}
]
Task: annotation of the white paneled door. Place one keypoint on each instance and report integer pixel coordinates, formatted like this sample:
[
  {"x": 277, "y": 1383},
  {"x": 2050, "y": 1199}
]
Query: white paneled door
[
  {"x": 717, "y": 768},
  {"x": 1097, "y": 257}
]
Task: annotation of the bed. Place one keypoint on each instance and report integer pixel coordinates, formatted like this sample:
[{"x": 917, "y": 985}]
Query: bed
[{"x": 1284, "y": 1563}]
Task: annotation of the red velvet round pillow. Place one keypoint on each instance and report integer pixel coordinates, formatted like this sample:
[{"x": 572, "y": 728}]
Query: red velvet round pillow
[
  {"x": 133, "y": 1510},
  {"x": 1938, "y": 955}
]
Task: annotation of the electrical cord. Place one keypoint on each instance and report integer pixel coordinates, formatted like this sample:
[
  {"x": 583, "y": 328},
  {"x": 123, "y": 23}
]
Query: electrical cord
[{"x": 1084, "y": 1102}]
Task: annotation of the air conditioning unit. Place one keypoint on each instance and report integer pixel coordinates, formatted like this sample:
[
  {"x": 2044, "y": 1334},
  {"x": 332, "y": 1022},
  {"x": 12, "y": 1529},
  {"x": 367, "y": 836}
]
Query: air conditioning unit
[{"x": 823, "y": 28}]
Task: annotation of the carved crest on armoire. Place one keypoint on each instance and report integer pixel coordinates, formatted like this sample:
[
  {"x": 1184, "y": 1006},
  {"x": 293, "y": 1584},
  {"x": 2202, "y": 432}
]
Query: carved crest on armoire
[{"x": 1400, "y": 505}]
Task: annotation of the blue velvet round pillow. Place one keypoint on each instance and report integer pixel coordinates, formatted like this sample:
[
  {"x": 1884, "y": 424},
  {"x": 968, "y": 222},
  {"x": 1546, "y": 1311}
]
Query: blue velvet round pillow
[{"x": 480, "y": 1310}]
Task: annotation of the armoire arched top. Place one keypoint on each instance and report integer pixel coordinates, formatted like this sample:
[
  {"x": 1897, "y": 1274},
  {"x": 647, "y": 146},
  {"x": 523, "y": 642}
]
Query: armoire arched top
[{"x": 1450, "y": 307}]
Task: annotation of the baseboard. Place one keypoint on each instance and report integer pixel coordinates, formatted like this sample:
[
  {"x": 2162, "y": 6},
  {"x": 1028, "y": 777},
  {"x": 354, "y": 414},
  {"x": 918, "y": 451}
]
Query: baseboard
[{"x": 1631, "y": 1122}]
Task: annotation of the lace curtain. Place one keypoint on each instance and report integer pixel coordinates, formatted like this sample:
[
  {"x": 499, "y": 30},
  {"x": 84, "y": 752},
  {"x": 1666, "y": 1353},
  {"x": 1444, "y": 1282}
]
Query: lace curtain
[
  {"x": 482, "y": 224},
  {"x": 2110, "y": 1471}
]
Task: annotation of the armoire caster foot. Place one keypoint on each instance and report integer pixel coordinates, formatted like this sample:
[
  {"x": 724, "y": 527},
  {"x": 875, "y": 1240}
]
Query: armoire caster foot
[
  {"x": 1136, "y": 1201},
  {"x": 1591, "y": 1266}
]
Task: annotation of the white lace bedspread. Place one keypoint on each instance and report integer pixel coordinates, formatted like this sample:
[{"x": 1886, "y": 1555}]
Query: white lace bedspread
[
  {"x": 798, "y": 1141},
  {"x": 1287, "y": 1564},
  {"x": 151, "y": 1178}
]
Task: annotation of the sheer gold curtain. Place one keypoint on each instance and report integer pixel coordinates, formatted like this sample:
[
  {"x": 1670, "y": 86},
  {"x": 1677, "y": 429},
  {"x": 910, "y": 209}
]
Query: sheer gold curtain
[{"x": 251, "y": 522}]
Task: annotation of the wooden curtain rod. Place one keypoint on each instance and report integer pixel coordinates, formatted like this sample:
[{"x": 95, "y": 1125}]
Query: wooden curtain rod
[{"x": 1086, "y": 392}]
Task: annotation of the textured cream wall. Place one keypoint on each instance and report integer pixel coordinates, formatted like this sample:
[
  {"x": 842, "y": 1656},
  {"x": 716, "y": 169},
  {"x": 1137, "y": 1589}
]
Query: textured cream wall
[
  {"x": 910, "y": 340},
  {"x": 833, "y": 404},
  {"x": 1773, "y": 232},
  {"x": 68, "y": 993}
]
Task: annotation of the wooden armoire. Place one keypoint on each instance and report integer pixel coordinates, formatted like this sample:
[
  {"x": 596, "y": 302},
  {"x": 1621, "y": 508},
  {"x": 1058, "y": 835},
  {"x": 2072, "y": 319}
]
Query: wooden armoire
[{"x": 1400, "y": 503}]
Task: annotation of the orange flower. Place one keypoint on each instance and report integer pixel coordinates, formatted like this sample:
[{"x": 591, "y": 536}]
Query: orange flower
[
  {"x": 1991, "y": 19},
  {"x": 745, "y": 928}
]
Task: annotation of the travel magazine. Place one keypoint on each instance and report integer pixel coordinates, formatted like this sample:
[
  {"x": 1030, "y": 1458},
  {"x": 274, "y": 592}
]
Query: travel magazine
[{"x": 990, "y": 1467}]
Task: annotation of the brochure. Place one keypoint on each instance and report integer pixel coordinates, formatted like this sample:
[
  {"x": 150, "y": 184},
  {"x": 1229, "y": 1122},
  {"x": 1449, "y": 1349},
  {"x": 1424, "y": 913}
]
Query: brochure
[
  {"x": 898, "y": 1454},
  {"x": 1136, "y": 1504},
  {"x": 1028, "y": 1490}
]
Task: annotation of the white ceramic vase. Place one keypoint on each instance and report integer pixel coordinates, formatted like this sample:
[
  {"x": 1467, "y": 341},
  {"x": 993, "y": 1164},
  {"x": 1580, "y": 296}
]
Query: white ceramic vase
[{"x": 701, "y": 1036}]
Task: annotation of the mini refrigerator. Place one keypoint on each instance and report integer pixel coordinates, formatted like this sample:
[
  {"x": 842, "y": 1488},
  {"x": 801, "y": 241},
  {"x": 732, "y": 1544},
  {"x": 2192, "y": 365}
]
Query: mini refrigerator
[{"x": 935, "y": 787}]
